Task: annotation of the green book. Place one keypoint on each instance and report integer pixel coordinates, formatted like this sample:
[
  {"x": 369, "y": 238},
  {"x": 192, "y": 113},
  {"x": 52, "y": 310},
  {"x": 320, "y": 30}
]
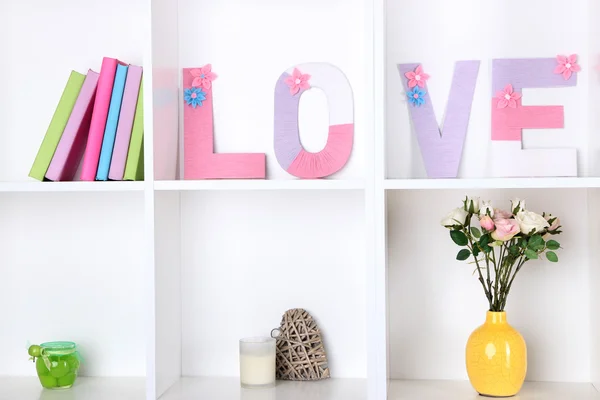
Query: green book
[
  {"x": 134, "y": 168},
  {"x": 57, "y": 126}
]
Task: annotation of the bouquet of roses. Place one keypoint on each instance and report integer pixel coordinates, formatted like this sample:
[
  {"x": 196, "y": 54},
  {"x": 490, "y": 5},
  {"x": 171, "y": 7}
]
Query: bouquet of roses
[{"x": 504, "y": 241}]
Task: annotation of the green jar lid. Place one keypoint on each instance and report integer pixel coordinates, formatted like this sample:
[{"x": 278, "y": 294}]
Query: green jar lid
[{"x": 58, "y": 348}]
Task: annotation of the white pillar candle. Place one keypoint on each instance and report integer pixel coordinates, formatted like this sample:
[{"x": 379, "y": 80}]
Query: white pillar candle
[{"x": 257, "y": 362}]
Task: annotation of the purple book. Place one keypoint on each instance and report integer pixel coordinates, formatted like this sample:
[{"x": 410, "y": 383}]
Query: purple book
[
  {"x": 128, "y": 107},
  {"x": 72, "y": 143}
]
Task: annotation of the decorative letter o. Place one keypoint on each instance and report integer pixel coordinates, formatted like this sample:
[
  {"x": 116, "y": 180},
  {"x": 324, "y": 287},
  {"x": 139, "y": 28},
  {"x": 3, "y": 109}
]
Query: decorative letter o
[{"x": 289, "y": 151}]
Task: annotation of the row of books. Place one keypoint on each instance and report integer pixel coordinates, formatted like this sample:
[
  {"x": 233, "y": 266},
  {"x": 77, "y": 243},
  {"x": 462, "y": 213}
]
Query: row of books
[{"x": 97, "y": 129}]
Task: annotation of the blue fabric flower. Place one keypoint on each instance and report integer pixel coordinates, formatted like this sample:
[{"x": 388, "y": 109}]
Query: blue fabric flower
[
  {"x": 416, "y": 96},
  {"x": 194, "y": 96}
]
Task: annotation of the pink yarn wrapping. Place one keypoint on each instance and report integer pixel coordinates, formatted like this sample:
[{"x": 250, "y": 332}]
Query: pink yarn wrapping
[
  {"x": 329, "y": 160},
  {"x": 200, "y": 161},
  {"x": 508, "y": 123}
]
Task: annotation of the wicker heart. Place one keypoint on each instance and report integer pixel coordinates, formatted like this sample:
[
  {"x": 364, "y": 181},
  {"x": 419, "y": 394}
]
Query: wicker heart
[{"x": 301, "y": 354}]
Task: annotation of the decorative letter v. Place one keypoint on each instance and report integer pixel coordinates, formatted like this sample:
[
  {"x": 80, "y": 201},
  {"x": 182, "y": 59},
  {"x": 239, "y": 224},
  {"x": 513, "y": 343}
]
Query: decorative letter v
[{"x": 442, "y": 151}]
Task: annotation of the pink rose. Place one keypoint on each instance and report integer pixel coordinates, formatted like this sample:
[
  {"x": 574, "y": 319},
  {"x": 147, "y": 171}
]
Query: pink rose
[
  {"x": 501, "y": 214},
  {"x": 487, "y": 223},
  {"x": 505, "y": 229}
]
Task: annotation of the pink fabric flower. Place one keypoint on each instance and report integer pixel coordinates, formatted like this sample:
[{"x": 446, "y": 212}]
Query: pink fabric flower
[
  {"x": 487, "y": 223},
  {"x": 297, "y": 81},
  {"x": 417, "y": 78},
  {"x": 505, "y": 229},
  {"x": 508, "y": 97},
  {"x": 203, "y": 76},
  {"x": 567, "y": 65}
]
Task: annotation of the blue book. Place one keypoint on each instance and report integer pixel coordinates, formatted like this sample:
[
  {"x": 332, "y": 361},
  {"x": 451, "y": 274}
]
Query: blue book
[{"x": 112, "y": 121}]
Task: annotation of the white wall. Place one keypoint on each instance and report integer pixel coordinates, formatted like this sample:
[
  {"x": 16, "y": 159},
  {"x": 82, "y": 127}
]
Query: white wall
[
  {"x": 438, "y": 33},
  {"x": 247, "y": 257},
  {"x": 250, "y": 44},
  {"x": 436, "y": 302},
  {"x": 72, "y": 269}
]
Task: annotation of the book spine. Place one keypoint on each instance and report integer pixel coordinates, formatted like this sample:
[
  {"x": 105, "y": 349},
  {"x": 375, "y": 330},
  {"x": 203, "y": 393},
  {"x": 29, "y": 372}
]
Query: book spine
[
  {"x": 111, "y": 123},
  {"x": 134, "y": 168},
  {"x": 72, "y": 143},
  {"x": 123, "y": 137},
  {"x": 57, "y": 126},
  {"x": 99, "y": 115}
]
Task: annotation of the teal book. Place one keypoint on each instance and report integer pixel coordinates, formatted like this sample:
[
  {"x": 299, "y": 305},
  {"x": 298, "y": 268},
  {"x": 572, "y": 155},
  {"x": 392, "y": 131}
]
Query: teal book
[{"x": 112, "y": 121}]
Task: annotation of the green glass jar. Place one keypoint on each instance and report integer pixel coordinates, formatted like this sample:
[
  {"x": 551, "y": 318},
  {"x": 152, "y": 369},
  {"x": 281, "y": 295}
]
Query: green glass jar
[{"x": 56, "y": 363}]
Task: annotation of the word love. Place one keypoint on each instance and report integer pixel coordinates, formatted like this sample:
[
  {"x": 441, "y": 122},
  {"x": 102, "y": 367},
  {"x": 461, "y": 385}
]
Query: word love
[
  {"x": 441, "y": 149},
  {"x": 200, "y": 160}
]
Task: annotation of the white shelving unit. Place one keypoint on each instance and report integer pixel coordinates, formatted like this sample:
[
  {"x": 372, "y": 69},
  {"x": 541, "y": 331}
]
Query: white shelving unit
[{"x": 157, "y": 280}]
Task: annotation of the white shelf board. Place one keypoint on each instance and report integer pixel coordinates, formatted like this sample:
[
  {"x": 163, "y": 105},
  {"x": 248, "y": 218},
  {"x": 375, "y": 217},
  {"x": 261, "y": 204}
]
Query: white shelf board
[
  {"x": 260, "y": 184},
  {"x": 229, "y": 389},
  {"x": 78, "y": 186},
  {"x": 462, "y": 390},
  {"x": 29, "y": 388},
  {"x": 493, "y": 183}
]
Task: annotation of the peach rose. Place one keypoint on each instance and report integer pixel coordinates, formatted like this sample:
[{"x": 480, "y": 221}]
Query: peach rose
[{"x": 505, "y": 229}]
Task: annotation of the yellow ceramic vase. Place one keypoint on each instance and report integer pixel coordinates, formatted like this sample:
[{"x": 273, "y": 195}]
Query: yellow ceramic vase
[{"x": 496, "y": 357}]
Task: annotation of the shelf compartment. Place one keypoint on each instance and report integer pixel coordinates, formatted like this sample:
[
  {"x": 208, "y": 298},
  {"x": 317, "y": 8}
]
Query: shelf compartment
[
  {"x": 80, "y": 186},
  {"x": 229, "y": 389},
  {"x": 492, "y": 183},
  {"x": 259, "y": 184},
  {"x": 29, "y": 388},
  {"x": 74, "y": 271},
  {"x": 462, "y": 390},
  {"x": 435, "y": 302}
]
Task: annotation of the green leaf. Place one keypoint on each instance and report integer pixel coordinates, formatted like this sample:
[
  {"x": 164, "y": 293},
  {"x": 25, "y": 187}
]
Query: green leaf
[
  {"x": 485, "y": 239},
  {"x": 484, "y": 243},
  {"x": 530, "y": 254},
  {"x": 514, "y": 250},
  {"x": 475, "y": 232},
  {"x": 535, "y": 241},
  {"x": 463, "y": 255},
  {"x": 475, "y": 251},
  {"x": 459, "y": 238},
  {"x": 552, "y": 245},
  {"x": 551, "y": 256}
]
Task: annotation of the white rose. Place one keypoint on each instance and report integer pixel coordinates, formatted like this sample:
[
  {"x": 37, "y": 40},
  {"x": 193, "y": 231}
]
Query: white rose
[
  {"x": 517, "y": 203},
  {"x": 528, "y": 221},
  {"x": 486, "y": 209},
  {"x": 455, "y": 217},
  {"x": 476, "y": 201}
]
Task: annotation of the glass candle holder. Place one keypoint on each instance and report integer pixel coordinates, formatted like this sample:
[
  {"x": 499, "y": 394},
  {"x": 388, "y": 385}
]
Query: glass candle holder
[{"x": 257, "y": 362}]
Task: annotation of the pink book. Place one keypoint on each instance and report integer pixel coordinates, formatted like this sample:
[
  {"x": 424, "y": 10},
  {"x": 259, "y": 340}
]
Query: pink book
[
  {"x": 99, "y": 115},
  {"x": 70, "y": 149},
  {"x": 128, "y": 107}
]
